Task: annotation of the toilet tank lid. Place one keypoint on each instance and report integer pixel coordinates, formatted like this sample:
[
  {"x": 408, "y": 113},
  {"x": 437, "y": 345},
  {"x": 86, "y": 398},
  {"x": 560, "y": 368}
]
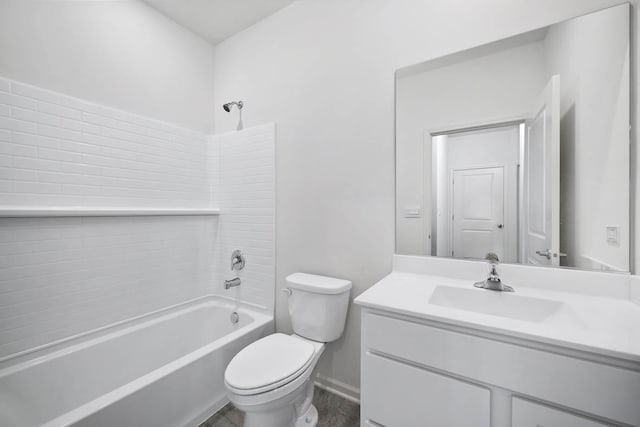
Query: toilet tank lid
[{"x": 318, "y": 284}]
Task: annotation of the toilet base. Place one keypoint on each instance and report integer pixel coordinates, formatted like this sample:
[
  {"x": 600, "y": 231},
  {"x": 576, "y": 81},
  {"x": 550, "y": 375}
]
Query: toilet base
[
  {"x": 282, "y": 418},
  {"x": 291, "y": 410},
  {"x": 309, "y": 419},
  {"x": 279, "y": 418}
]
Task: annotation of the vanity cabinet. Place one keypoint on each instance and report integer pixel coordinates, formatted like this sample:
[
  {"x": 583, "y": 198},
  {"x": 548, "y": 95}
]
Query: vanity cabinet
[
  {"x": 531, "y": 414},
  {"x": 419, "y": 372},
  {"x": 400, "y": 394}
]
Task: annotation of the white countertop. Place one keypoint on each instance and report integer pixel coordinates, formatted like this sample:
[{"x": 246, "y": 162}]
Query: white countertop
[{"x": 597, "y": 324}]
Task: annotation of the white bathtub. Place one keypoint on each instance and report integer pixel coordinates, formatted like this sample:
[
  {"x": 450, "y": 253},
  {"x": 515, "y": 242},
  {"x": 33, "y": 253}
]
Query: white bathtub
[{"x": 162, "y": 370}]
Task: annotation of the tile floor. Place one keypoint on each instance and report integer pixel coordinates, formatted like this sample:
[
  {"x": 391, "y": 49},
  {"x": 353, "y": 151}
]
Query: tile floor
[{"x": 333, "y": 411}]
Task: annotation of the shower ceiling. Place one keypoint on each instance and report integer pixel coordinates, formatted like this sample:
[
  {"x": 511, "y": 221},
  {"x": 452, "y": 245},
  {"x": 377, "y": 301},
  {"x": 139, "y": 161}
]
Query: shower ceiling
[{"x": 215, "y": 20}]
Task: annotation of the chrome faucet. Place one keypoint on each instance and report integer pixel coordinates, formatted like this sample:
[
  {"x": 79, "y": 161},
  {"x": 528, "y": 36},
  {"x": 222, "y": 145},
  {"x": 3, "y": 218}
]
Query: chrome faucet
[
  {"x": 228, "y": 284},
  {"x": 493, "y": 281},
  {"x": 237, "y": 263},
  {"x": 237, "y": 260}
]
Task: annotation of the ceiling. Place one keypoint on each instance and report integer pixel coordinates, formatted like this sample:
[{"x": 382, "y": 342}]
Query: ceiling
[{"x": 215, "y": 20}]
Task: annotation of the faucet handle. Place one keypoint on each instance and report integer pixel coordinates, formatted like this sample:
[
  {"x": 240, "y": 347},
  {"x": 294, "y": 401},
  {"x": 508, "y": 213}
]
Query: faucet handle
[
  {"x": 493, "y": 259},
  {"x": 493, "y": 282},
  {"x": 237, "y": 260},
  {"x": 493, "y": 272}
]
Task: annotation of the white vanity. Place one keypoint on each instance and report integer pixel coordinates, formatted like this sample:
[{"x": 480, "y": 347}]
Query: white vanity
[{"x": 563, "y": 350}]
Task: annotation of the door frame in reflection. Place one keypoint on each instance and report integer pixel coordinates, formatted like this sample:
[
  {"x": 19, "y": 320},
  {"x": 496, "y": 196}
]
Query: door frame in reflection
[{"x": 440, "y": 232}]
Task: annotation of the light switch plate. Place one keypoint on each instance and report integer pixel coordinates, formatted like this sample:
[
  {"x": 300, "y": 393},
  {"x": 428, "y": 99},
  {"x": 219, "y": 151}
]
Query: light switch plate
[{"x": 612, "y": 234}]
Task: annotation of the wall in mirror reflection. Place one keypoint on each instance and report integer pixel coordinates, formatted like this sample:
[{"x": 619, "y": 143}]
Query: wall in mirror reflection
[{"x": 520, "y": 148}]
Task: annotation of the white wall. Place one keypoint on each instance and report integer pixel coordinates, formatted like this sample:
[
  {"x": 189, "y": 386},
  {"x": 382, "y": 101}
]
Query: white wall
[
  {"x": 591, "y": 55},
  {"x": 118, "y": 53},
  {"x": 489, "y": 89},
  {"x": 324, "y": 71}
]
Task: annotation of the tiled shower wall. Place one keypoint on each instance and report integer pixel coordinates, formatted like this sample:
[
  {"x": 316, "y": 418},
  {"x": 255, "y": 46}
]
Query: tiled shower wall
[
  {"x": 64, "y": 276},
  {"x": 62, "y": 150},
  {"x": 247, "y": 197}
]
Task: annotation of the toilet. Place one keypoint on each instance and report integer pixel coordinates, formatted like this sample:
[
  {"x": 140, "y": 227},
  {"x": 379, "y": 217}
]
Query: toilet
[{"x": 271, "y": 380}]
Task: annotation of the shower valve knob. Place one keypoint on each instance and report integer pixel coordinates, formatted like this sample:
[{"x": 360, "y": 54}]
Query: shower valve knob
[{"x": 237, "y": 260}]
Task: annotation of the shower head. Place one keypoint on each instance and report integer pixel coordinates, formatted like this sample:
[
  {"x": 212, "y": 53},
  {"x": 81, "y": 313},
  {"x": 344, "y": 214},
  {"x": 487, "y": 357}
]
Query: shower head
[{"x": 228, "y": 105}]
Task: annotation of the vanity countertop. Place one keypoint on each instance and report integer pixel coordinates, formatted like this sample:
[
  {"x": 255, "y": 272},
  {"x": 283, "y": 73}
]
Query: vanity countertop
[{"x": 596, "y": 324}]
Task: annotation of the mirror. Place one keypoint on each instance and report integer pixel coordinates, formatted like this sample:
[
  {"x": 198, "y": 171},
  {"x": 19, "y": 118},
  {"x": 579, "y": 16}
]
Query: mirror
[{"x": 520, "y": 148}]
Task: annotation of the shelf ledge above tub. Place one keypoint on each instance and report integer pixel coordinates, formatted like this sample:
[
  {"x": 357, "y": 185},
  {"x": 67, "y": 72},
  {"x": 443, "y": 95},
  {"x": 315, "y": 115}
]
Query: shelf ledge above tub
[{"x": 42, "y": 212}]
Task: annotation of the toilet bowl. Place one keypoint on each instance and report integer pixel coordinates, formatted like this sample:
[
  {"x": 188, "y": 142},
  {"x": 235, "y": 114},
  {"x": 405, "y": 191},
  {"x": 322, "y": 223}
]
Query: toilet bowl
[{"x": 271, "y": 380}]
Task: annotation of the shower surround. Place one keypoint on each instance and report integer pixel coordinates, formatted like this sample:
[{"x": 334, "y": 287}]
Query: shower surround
[{"x": 65, "y": 279}]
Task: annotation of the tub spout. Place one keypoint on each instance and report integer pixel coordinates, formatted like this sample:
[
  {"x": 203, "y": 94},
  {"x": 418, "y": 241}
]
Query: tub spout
[{"x": 228, "y": 284}]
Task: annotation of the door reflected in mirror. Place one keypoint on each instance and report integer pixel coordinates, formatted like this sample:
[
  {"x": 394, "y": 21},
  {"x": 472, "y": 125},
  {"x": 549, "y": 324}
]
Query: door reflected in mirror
[{"x": 520, "y": 148}]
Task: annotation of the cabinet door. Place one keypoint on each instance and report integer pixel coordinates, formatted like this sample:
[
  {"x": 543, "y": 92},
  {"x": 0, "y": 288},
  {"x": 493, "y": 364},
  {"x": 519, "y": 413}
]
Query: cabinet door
[
  {"x": 529, "y": 414},
  {"x": 399, "y": 395},
  {"x": 601, "y": 389}
]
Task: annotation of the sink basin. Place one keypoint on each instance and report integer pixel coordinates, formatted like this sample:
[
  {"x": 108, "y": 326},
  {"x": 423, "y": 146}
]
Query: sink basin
[{"x": 502, "y": 304}]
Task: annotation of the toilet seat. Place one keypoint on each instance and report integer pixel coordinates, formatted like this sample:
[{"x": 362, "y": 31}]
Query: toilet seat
[{"x": 269, "y": 363}]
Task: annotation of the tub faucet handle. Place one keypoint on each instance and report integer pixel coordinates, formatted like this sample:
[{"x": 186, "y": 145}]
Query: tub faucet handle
[{"x": 237, "y": 260}]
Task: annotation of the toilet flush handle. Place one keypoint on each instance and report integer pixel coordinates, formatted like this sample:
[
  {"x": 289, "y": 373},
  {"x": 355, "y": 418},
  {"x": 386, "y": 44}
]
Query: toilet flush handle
[{"x": 287, "y": 291}]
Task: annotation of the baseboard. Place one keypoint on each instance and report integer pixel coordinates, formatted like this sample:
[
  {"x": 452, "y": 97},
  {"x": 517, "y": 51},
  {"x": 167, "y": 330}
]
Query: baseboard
[
  {"x": 207, "y": 413},
  {"x": 339, "y": 388}
]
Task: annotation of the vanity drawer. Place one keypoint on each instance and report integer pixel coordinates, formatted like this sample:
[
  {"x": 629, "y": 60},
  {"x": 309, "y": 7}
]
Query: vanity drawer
[
  {"x": 530, "y": 414},
  {"x": 399, "y": 395},
  {"x": 586, "y": 386}
]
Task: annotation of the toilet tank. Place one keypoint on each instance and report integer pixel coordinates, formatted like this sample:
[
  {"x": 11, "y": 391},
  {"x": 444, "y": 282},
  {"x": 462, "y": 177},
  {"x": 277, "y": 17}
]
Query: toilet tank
[{"x": 318, "y": 305}]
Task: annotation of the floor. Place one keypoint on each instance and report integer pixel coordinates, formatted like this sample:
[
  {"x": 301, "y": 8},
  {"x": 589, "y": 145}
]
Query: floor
[{"x": 333, "y": 411}]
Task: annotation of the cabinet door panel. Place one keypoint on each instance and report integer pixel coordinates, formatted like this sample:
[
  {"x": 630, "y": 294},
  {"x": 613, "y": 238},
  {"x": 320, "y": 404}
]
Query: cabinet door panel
[
  {"x": 590, "y": 387},
  {"x": 399, "y": 395},
  {"x": 529, "y": 414}
]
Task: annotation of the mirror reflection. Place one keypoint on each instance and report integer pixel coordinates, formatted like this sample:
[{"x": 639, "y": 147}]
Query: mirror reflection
[{"x": 520, "y": 148}]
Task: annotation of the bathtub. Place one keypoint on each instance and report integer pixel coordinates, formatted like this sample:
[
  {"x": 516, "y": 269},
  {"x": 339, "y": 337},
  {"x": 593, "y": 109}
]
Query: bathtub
[{"x": 164, "y": 369}]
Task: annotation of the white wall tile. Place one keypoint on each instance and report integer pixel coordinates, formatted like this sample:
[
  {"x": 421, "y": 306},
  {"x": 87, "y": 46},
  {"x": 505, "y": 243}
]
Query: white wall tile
[
  {"x": 166, "y": 165},
  {"x": 60, "y": 277},
  {"x": 247, "y": 200},
  {"x": 64, "y": 276},
  {"x": 58, "y": 110},
  {"x": 17, "y": 125}
]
